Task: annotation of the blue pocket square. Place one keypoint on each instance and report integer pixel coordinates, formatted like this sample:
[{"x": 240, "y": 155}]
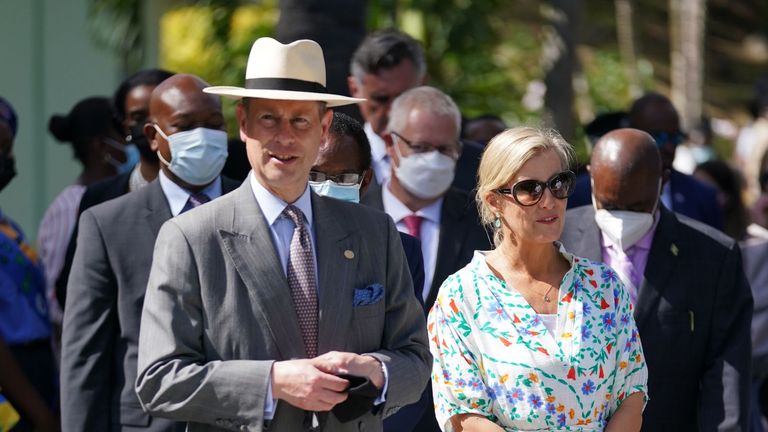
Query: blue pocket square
[{"x": 368, "y": 295}]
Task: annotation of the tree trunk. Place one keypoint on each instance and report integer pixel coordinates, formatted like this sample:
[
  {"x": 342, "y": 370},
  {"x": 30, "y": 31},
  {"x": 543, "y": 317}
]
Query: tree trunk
[
  {"x": 337, "y": 25},
  {"x": 687, "y": 21},
  {"x": 558, "y": 57},
  {"x": 625, "y": 32}
]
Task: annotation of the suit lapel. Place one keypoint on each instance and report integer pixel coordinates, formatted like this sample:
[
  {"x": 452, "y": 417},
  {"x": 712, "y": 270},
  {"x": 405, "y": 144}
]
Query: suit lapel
[
  {"x": 248, "y": 241},
  {"x": 157, "y": 210},
  {"x": 334, "y": 266},
  {"x": 584, "y": 241},
  {"x": 662, "y": 259},
  {"x": 453, "y": 234}
]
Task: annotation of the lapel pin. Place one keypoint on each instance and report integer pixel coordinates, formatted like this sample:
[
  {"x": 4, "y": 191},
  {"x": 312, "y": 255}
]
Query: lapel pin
[
  {"x": 348, "y": 254},
  {"x": 674, "y": 249}
]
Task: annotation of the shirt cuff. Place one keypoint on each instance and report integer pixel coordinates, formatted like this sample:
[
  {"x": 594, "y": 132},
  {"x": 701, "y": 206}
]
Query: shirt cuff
[
  {"x": 269, "y": 402},
  {"x": 383, "y": 395}
]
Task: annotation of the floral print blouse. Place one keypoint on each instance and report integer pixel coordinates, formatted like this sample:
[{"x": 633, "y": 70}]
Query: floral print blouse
[{"x": 493, "y": 355}]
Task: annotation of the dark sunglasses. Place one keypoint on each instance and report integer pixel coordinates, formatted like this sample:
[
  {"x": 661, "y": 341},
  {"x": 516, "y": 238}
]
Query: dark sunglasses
[
  {"x": 529, "y": 192},
  {"x": 662, "y": 138}
]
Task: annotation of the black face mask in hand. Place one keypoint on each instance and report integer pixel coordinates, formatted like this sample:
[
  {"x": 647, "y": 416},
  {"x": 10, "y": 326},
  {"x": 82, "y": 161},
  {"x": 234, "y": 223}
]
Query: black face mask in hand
[
  {"x": 138, "y": 138},
  {"x": 7, "y": 170}
]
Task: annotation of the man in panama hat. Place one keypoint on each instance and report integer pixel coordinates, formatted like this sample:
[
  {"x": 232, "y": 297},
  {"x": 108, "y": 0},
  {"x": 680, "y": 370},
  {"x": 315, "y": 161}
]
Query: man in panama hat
[{"x": 274, "y": 308}]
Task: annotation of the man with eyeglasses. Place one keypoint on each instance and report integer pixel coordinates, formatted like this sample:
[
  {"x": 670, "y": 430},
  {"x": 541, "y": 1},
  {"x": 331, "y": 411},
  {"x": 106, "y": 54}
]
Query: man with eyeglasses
[
  {"x": 386, "y": 64},
  {"x": 422, "y": 139}
]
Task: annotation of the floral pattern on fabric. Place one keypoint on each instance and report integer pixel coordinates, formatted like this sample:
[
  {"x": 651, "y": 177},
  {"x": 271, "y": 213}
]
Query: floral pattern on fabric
[{"x": 494, "y": 356}]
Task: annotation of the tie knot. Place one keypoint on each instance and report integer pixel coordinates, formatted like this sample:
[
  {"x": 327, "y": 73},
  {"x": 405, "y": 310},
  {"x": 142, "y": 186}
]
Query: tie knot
[
  {"x": 295, "y": 214},
  {"x": 197, "y": 199},
  {"x": 413, "y": 224}
]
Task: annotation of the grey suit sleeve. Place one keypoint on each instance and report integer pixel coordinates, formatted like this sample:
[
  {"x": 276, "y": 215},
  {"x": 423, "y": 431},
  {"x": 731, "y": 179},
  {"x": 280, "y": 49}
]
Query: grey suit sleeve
[
  {"x": 724, "y": 395},
  {"x": 404, "y": 345},
  {"x": 89, "y": 333},
  {"x": 175, "y": 378}
]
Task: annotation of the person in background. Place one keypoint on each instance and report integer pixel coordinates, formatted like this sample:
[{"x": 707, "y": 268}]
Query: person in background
[
  {"x": 27, "y": 369},
  {"x": 386, "y": 64},
  {"x": 95, "y": 134},
  {"x": 753, "y": 240},
  {"x": 759, "y": 210},
  {"x": 482, "y": 128},
  {"x": 527, "y": 336},
  {"x": 131, "y": 102},
  {"x": 343, "y": 170},
  {"x": 114, "y": 254},
  {"x": 693, "y": 305}
]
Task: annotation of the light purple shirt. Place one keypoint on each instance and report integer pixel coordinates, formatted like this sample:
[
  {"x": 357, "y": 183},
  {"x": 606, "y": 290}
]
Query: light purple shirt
[{"x": 629, "y": 264}]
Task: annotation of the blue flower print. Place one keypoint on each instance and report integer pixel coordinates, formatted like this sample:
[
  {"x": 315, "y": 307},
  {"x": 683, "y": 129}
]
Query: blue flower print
[
  {"x": 588, "y": 387},
  {"x": 609, "y": 320},
  {"x": 609, "y": 275},
  {"x": 446, "y": 374},
  {"x": 494, "y": 391},
  {"x": 535, "y": 401},
  {"x": 460, "y": 382},
  {"x": 586, "y": 309},
  {"x": 475, "y": 384},
  {"x": 561, "y": 420},
  {"x": 495, "y": 310},
  {"x": 625, "y": 320},
  {"x": 585, "y": 333},
  {"x": 515, "y": 395},
  {"x": 550, "y": 408}
]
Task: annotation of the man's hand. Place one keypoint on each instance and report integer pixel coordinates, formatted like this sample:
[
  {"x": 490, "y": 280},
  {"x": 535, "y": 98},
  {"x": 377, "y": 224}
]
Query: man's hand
[
  {"x": 336, "y": 363},
  {"x": 306, "y": 386}
]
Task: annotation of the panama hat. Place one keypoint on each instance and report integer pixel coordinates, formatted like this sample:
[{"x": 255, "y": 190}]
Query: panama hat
[{"x": 295, "y": 71}]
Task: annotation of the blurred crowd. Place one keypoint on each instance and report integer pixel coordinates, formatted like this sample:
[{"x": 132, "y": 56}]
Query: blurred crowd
[{"x": 681, "y": 229}]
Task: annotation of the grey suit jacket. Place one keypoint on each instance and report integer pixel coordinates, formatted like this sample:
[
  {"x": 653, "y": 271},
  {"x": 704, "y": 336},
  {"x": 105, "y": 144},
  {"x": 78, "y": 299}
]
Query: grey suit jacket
[
  {"x": 102, "y": 314},
  {"x": 219, "y": 313},
  {"x": 693, "y": 313}
]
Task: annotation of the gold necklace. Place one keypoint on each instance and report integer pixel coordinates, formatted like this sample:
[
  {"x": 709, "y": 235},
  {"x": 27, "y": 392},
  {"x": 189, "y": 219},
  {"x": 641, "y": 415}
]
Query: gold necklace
[{"x": 546, "y": 294}]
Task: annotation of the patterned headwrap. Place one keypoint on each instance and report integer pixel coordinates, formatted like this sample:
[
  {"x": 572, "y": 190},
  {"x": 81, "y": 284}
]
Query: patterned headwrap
[{"x": 8, "y": 115}]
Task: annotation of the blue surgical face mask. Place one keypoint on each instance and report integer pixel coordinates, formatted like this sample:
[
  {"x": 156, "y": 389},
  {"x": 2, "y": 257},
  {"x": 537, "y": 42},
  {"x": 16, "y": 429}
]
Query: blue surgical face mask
[
  {"x": 349, "y": 193},
  {"x": 131, "y": 156},
  {"x": 197, "y": 155}
]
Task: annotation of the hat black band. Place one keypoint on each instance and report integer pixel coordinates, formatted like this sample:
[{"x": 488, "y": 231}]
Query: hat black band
[{"x": 289, "y": 84}]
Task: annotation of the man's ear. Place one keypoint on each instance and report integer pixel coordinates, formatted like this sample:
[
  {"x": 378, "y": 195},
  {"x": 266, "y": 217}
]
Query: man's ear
[
  {"x": 242, "y": 116},
  {"x": 390, "y": 145},
  {"x": 151, "y": 133},
  {"x": 325, "y": 122},
  {"x": 366, "y": 180},
  {"x": 353, "y": 85}
]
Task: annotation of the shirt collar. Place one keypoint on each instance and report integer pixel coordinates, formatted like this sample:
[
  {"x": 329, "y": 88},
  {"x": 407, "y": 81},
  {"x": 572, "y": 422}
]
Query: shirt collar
[
  {"x": 177, "y": 196},
  {"x": 378, "y": 146},
  {"x": 397, "y": 210},
  {"x": 273, "y": 207}
]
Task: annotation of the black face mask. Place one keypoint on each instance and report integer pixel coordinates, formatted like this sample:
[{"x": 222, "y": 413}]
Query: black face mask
[
  {"x": 138, "y": 138},
  {"x": 7, "y": 170}
]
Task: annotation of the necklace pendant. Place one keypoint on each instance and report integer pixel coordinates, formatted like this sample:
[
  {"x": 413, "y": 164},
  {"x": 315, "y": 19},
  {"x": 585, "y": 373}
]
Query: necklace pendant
[{"x": 546, "y": 299}]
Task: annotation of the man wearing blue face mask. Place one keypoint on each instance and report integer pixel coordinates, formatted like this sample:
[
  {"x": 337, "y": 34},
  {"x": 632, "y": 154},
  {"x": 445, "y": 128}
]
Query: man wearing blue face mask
[
  {"x": 693, "y": 305},
  {"x": 114, "y": 255}
]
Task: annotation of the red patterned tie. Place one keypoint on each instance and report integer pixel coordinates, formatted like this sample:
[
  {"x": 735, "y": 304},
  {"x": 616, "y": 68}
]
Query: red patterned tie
[
  {"x": 301, "y": 280},
  {"x": 413, "y": 224}
]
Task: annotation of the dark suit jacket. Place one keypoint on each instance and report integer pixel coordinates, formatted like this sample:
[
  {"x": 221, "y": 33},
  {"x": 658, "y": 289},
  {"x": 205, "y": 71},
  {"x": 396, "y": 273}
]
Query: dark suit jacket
[
  {"x": 101, "y": 319},
  {"x": 693, "y": 313},
  {"x": 461, "y": 233},
  {"x": 412, "y": 249},
  {"x": 690, "y": 197},
  {"x": 97, "y": 193}
]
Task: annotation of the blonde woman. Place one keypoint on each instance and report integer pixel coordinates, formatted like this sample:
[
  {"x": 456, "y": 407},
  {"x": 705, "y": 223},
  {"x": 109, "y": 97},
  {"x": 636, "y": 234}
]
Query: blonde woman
[{"x": 528, "y": 336}]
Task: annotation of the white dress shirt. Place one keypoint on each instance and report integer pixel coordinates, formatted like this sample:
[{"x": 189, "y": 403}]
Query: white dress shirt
[
  {"x": 379, "y": 157},
  {"x": 281, "y": 227},
  {"x": 430, "y": 230},
  {"x": 177, "y": 196}
]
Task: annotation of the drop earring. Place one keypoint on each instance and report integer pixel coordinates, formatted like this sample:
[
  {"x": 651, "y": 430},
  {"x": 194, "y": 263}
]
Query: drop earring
[{"x": 497, "y": 221}]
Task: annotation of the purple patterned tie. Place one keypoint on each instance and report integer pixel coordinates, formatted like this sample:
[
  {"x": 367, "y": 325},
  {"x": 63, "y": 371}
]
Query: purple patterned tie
[
  {"x": 195, "y": 200},
  {"x": 301, "y": 280}
]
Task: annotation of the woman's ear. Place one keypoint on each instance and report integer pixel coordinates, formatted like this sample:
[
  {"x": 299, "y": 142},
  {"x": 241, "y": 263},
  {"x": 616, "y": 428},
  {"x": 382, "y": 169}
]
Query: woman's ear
[{"x": 491, "y": 199}]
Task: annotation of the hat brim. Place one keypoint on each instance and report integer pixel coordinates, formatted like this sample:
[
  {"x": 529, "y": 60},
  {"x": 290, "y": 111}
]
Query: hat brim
[{"x": 331, "y": 100}]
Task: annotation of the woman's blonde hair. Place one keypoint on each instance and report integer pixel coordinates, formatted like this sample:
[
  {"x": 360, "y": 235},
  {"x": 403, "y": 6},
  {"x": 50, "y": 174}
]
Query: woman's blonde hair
[{"x": 505, "y": 155}]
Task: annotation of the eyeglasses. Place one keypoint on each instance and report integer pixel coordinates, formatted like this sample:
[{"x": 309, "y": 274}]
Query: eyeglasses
[
  {"x": 674, "y": 138},
  {"x": 529, "y": 192},
  {"x": 345, "y": 179},
  {"x": 451, "y": 150}
]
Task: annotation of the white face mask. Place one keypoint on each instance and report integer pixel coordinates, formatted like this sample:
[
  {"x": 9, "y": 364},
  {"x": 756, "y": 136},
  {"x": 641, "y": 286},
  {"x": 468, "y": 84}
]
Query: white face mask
[
  {"x": 425, "y": 175},
  {"x": 197, "y": 155},
  {"x": 624, "y": 228}
]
